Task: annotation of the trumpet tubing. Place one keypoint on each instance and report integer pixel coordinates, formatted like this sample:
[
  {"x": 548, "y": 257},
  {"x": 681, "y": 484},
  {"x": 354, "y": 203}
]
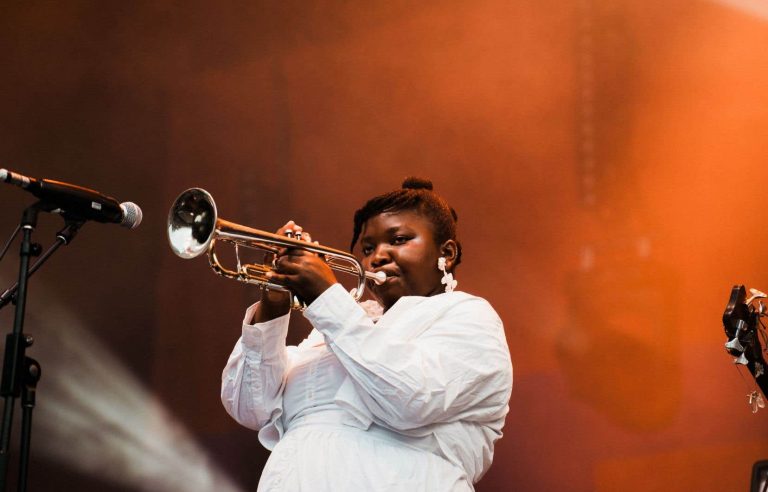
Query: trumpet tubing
[{"x": 194, "y": 228}]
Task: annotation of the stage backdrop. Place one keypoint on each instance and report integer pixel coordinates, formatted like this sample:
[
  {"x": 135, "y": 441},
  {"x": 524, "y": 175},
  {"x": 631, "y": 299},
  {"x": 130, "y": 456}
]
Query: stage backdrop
[{"x": 607, "y": 159}]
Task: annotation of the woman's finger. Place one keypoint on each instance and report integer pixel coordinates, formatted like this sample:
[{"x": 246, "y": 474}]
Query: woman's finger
[
  {"x": 290, "y": 228},
  {"x": 284, "y": 279},
  {"x": 287, "y": 226},
  {"x": 291, "y": 262}
]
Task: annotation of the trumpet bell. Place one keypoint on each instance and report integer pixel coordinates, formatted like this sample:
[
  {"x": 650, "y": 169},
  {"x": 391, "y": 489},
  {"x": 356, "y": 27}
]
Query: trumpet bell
[{"x": 191, "y": 223}]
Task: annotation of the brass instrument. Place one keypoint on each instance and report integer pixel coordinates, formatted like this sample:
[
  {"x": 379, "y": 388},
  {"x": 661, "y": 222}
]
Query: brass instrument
[{"x": 194, "y": 228}]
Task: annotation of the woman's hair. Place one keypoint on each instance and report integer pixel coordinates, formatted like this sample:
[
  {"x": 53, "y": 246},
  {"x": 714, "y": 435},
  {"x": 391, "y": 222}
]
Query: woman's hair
[{"x": 416, "y": 194}]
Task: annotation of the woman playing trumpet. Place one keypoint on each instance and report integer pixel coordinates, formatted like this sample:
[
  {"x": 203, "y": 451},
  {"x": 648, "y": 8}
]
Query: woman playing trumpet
[{"x": 405, "y": 394}]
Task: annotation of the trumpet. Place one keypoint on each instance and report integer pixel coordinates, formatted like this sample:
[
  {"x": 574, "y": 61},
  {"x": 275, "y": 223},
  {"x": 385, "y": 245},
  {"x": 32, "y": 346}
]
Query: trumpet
[{"x": 194, "y": 228}]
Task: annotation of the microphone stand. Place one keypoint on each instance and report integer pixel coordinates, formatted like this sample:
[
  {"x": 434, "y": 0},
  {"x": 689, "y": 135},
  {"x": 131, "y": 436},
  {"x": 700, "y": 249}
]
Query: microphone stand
[
  {"x": 63, "y": 237},
  {"x": 21, "y": 373}
]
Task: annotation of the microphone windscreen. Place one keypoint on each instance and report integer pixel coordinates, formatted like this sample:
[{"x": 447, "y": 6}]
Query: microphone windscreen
[{"x": 131, "y": 215}]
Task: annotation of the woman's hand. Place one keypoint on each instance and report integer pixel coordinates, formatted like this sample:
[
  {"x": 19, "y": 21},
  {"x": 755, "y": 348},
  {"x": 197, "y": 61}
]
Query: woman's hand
[
  {"x": 305, "y": 274},
  {"x": 276, "y": 303}
]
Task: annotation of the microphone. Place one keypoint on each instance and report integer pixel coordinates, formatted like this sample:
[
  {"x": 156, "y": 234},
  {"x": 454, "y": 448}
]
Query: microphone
[{"x": 77, "y": 202}]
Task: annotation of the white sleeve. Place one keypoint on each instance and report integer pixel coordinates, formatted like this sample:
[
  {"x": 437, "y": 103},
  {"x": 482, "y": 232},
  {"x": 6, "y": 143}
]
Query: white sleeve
[
  {"x": 253, "y": 380},
  {"x": 459, "y": 368}
]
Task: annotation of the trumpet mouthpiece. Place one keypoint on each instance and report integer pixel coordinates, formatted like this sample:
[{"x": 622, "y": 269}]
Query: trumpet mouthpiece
[{"x": 378, "y": 278}]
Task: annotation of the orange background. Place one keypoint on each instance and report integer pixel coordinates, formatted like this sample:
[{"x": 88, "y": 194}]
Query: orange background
[{"x": 607, "y": 159}]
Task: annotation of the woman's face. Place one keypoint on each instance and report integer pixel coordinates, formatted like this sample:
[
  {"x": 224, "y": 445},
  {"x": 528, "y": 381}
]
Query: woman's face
[{"x": 401, "y": 244}]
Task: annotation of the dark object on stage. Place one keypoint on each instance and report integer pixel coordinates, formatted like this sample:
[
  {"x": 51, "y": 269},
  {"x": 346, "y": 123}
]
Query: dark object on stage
[
  {"x": 20, "y": 373},
  {"x": 747, "y": 337},
  {"x": 760, "y": 477}
]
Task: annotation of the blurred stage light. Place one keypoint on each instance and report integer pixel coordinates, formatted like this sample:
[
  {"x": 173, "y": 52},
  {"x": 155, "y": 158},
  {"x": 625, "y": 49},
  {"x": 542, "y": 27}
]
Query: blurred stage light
[
  {"x": 95, "y": 417},
  {"x": 757, "y": 8}
]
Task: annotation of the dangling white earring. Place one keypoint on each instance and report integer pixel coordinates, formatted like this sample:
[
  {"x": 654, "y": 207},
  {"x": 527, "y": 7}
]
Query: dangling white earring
[{"x": 447, "y": 279}]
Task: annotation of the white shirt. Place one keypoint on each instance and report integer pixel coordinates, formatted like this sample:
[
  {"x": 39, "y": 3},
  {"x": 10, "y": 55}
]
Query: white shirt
[{"x": 434, "y": 372}]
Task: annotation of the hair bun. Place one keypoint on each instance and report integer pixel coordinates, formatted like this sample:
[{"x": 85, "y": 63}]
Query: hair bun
[{"x": 414, "y": 183}]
